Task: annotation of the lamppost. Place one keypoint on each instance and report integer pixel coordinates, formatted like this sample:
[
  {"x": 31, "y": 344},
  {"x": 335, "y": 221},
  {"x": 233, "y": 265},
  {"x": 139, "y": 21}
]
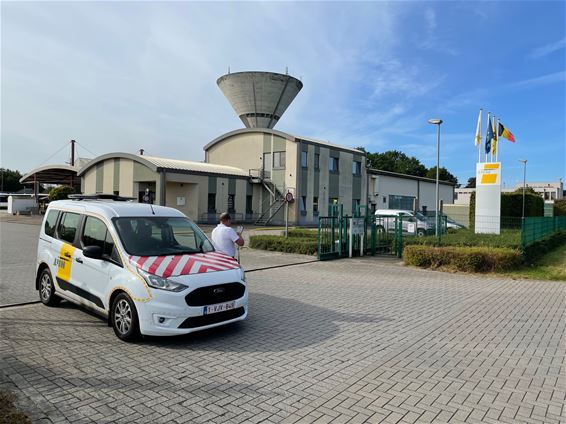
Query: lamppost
[
  {"x": 524, "y": 162},
  {"x": 437, "y": 122}
]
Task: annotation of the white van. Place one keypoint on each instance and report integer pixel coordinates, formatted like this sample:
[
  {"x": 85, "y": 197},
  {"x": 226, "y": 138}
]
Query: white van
[
  {"x": 149, "y": 269},
  {"x": 413, "y": 223}
]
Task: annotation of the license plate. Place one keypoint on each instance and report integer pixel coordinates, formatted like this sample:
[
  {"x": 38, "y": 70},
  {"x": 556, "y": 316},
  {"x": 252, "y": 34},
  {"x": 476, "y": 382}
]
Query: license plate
[{"x": 219, "y": 307}]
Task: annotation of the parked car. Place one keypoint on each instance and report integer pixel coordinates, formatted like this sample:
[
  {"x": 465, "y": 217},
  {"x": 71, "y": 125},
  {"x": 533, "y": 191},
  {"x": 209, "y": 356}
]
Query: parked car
[
  {"x": 413, "y": 223},
  {"x": 149, "y": 269}
]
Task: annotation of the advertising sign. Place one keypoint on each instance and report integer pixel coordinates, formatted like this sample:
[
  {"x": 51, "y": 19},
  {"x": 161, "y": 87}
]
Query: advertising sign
[{"x": 488, "y": 198}]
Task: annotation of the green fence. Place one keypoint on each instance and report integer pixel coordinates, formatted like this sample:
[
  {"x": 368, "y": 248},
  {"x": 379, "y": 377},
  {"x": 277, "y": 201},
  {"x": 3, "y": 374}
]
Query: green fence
[{"x": 539, "y": 227}]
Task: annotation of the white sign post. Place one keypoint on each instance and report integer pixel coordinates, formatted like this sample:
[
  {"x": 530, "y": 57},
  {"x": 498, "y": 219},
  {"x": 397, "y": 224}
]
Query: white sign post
[{"x": 488, "y": 198}]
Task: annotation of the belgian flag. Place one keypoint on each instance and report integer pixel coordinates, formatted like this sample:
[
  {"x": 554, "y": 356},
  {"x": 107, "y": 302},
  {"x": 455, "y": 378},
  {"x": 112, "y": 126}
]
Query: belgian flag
[{"x": 504, "y": 132}]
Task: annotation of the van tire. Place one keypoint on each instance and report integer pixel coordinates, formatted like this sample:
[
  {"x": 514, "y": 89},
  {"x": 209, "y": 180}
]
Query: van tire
[
  {"x": 46, "y": 289},
  {"x": 421, "y": 232},
  {"x": 380, "y": 229},
  {"x": 124, "y": 318}
]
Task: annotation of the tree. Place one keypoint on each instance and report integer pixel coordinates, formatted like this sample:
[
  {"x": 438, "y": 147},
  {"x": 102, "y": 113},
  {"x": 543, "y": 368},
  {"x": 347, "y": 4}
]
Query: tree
[
  {"x": 471, "y": 182},
  {"x": 443, "y": 175},
  {"x": 10, "y": 180},
  {"x": 528, "y": 190},
  {"x": 60, "y": 192},
  {"x": 396, "y": 161}
]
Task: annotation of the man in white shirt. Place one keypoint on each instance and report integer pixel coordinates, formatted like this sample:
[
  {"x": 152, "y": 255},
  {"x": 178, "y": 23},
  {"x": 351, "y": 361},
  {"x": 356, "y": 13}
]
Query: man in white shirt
[{"x": 224, "y": 236}]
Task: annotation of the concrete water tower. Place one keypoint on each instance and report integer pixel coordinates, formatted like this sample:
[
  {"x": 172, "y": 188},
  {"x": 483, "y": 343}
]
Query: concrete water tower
[{"x": 259, "y": 98}]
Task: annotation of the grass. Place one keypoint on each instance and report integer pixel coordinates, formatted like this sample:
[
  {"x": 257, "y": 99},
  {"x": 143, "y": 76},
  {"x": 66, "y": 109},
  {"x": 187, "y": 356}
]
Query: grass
[
  {"x": 466, "y": 237},
  {"x": 551, "y": 266},
  {"x": 9, "y": 414}
]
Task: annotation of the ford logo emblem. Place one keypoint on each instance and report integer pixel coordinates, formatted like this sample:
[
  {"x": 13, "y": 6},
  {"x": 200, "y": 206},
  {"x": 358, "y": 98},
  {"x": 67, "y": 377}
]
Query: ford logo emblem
[{"x": 218, "y": 290}]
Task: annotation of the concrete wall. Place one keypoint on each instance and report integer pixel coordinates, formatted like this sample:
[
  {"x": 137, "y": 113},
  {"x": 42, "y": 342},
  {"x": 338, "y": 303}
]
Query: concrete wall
[{"x": 244, "y": 151}]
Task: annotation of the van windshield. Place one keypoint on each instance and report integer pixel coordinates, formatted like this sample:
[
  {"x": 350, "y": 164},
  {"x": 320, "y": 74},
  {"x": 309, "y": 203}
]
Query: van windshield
[{"x": 161, "y": 236}]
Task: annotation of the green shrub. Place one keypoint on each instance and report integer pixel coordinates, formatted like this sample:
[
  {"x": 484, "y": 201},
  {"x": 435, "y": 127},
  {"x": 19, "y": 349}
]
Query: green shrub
[
  {"x": 60, "y": 193},
  {"x": 302, "y": 245},
  {"x": 560, "y": 207},
  {"x": 466, "y": 259}
]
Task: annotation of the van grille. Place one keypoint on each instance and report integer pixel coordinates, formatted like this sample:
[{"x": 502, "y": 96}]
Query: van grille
[
  {"x": 201, "y": 321},
  {"x": 211, "y": 295}
]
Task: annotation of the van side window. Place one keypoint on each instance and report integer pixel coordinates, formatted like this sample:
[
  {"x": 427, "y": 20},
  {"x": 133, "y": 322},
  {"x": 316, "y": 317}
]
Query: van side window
[
  {"x": 50, "y": 222},
  {"x": 95, "y": 233},
  {"x": 68, "y": 227}
]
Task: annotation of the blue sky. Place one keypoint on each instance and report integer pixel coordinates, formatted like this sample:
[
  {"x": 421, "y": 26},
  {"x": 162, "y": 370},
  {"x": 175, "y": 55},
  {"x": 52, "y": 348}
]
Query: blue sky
[{"x": 119, "y": 76}]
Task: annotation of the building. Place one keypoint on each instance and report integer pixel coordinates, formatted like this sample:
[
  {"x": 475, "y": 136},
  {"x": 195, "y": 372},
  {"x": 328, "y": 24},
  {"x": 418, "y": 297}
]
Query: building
[
  {"x": 390, "y": 190},
  {"x": 258, "y": 174}
]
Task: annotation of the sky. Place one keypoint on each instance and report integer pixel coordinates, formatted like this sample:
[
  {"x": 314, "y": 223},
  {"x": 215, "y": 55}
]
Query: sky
[{"x": 120, "y": 76}]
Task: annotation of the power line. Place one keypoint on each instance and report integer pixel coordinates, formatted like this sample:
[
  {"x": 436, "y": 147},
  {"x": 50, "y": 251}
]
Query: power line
[
  {"x": 65, "y": 145},
  {"x": 92, "y": 153}
]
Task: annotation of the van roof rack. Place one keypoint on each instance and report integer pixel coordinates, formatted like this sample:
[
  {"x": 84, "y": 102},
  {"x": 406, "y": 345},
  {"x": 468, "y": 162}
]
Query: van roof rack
[{"x": 100, "y": 196}]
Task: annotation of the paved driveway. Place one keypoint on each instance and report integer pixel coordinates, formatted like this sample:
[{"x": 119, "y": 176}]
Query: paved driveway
[{"x": 343, "y": 341}]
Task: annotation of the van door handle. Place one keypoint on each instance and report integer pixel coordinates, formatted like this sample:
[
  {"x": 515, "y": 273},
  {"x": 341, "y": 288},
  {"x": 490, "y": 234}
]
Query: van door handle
[
  {"x": 67, "y": 254},
  {"x": 79, "y": 260}
]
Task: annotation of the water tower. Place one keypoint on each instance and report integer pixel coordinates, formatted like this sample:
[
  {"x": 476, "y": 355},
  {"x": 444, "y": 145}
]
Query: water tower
[{"x": 259, "y": 98}]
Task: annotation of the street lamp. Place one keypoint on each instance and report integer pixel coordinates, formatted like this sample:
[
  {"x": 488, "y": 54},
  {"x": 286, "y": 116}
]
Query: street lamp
[
  {"x": 524, "y": 162},
  {"x": 437, "y": 122}
]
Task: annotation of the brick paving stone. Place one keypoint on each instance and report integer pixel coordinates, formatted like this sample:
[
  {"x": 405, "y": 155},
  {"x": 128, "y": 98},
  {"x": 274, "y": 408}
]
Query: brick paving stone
[{"x": 362, "y": 340}]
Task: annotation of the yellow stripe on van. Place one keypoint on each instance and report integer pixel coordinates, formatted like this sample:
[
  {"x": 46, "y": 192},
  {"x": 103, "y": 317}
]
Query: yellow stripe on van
[
  {"x": 491, "y": 166},
  {"x": 65, "y": 261},
  {"x": 488, "y": 178}
]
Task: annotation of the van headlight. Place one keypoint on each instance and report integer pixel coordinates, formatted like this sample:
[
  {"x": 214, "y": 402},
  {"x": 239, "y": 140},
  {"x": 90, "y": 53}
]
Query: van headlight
[{"x": 161, "y": 283}]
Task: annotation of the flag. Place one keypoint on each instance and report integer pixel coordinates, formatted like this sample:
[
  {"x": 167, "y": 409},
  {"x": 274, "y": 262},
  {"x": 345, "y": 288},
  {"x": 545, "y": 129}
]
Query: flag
[
  {"x": 504, "y": 132},
  {"x": 489, "y": 135},
  {"x": 478, "y": 130},
  {"x": 494, "y": 142}
]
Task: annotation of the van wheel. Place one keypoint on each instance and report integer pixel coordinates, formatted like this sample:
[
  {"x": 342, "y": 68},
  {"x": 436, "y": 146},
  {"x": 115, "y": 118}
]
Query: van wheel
[
  {"x": 421, "y": 232},
  {"x": 124, "y": 318},
  {"x": 47, "y": 289},
  {"x": 380, "y": 229}
]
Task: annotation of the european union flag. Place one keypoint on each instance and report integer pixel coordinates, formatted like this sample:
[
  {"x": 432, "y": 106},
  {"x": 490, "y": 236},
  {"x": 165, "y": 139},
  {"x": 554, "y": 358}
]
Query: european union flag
[{"x": 488, "y": 136}]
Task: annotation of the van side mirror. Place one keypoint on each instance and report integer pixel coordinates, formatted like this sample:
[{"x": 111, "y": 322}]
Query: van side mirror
[{"x": 93, "y": 252}]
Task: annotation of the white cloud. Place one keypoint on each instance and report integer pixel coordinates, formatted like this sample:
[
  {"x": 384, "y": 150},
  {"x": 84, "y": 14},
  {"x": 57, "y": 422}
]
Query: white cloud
[{"x": 547, "y": 49}]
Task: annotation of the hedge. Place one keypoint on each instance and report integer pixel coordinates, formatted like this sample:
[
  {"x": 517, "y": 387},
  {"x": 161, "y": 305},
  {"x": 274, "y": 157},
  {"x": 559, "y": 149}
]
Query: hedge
[
  {"x": 560, "y": 207},
  {"x": 466, "y": 237},
  {"x": 302, "y": 245},
  {"x": 466, "y": 259},
  {"x": 512, "y": 207}
]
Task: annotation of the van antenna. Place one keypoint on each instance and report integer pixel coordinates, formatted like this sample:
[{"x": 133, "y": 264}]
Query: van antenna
[{"x": 147, "y": 199}]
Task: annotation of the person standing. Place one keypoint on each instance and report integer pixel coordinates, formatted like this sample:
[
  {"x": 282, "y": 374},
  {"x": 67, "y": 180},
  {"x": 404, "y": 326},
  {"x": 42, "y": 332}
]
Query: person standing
[{"x": 224, "y": 237}]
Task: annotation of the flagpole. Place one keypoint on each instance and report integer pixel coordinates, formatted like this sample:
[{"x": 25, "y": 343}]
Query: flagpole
[
  {"x": 498, "y": 147},
  {"x": 479, "y": 134},
  {"x": 488, "y": 123}
]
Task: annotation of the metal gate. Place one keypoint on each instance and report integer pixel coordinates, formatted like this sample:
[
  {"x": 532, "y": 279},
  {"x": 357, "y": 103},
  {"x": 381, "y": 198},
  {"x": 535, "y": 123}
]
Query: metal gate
[{"x": 382, "y": 235}]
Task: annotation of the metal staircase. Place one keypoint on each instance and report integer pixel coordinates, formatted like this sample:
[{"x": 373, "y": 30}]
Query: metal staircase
[{"x": 277, "y": 198}]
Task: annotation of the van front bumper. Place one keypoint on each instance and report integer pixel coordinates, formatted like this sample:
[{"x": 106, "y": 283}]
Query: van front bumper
[{"x": 168, "y": 314}]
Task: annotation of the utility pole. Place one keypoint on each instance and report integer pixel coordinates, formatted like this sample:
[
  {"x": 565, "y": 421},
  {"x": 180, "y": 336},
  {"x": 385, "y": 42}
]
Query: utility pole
[{"x": 524, "y": 162}]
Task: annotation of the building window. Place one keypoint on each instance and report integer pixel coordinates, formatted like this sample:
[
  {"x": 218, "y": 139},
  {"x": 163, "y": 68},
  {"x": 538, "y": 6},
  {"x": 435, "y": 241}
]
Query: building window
[
  {"x": 356, "y": 168},
  {"x": 401, "y": 202},
  {"x": 304, "y": 159},
  {"x": 212, "y": 202},
  {"x": 279, "y": 159},
  {"x": 303, "y": 205},
  {"x": 315, "y": 205},
  {"x": 231, "y": 208},
  {"x": 317, "y": 161},
  {"x": 249, "y": 203},
  {"x": 333, "y": 165}
]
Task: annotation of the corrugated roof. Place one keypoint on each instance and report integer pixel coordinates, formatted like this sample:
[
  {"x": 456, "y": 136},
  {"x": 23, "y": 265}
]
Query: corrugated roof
[{"x": 185, "y": 165}]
